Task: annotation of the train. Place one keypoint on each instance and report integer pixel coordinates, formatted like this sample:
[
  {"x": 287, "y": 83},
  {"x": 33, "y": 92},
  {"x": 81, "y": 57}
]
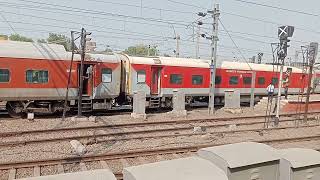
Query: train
[{"x": 34, "y": 78}]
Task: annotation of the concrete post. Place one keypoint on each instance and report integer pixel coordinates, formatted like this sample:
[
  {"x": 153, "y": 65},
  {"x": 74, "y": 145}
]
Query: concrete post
[
  {"x": 139, "y": 105},
  {"x": 232, "y": 99},
  {"x": 179, "y": 104}
]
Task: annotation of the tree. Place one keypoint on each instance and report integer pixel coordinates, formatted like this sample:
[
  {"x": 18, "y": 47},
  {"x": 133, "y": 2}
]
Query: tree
[
  {"x": 17, "y": 37},
  {"x": 41, "y": 41},
  {"x": 106, "y": 51},
  {"x": 141, "y": 50},
  {"x": 3, "y": 37},
  {"x": 60, "y": 39}
]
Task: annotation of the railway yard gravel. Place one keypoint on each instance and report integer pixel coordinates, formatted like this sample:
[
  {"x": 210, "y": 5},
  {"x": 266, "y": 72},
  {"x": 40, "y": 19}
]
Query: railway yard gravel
[
  {"x": 231, "y": 133},
  {"x": 63, "y": 149},
  {"x": 7, "y": 124}
]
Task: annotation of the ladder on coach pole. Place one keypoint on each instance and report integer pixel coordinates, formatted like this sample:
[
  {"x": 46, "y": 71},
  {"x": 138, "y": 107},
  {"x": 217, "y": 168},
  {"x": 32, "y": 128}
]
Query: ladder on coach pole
[{"x": 75, "y": 50}]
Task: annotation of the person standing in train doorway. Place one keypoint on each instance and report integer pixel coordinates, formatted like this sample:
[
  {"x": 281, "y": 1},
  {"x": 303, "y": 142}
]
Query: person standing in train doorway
[{"x": 270, "y": 90}]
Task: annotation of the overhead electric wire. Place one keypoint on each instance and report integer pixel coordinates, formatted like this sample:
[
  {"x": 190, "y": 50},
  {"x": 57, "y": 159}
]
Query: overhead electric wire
[
  {"x": 91, "y": 11},
  {"x": 257, "y": 19},
  {"x": 269, "y": 22},
  {"x": 278, "y": 8},
  {"x": 89, "y": 25},
  {"x": 5, "y": 19},
  {"x": 235, "y": 44},
  {"x": 63, "y": 11},
  {"x": 186, "y": 4},
  {"x": 24, "y": 7},
  {"x": 126, "y": 32},
  {"x": 143, "y": 7}
]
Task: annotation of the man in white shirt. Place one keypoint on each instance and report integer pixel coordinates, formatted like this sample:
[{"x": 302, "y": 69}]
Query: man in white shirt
[{"x": 270, "y": 90}]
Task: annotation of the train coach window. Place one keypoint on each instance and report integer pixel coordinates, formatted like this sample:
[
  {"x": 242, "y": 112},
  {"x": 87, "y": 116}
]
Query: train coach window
[
  {"x": 218, "y": 80},
  {"x": 275, "y": 80},
  {"x": 37, "y": 76},
  {"x": 197, "y": 79},
  {"x": 4, "y": 75},
  {"x": 141, "y": 76},
  {"x": 261, "y": 80},
  {"x": 176, "y": 78},
  {"x": 106, "y": 75},
  {"x": 246, "y": 80},
  {"x": 234, "y": 80}
]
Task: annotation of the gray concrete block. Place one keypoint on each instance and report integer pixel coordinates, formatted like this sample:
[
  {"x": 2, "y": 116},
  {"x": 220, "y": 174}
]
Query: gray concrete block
[
  {"x": 139, "y": 105},
  {"x": 178, "y": 100},
  {"x": 232, "y": 99},
  {"x": 192, "y": 168},
  {"x": 233, "y": 110},
  {"x": 99, "y": 174},
  {"x": 179, "y": 113},
  {"x": 243, "y": 161},
  {"x": 30, "y": 116},
  {"x": 179, "y": 104},
  {"x": 139, "y": 116},
  {"x": 76, "y": 118},
  {"x": 92, "y": 118},
  {"x": 78, "y": 147},
  {"x": 299, "y": 163}
]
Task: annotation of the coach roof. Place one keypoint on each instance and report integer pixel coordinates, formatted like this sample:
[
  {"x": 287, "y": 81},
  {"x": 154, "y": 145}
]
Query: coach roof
[
  {"x": 170, "y": 61},
  {"x": 255, "y": 67},
  {"x": 32, "y": 50}
]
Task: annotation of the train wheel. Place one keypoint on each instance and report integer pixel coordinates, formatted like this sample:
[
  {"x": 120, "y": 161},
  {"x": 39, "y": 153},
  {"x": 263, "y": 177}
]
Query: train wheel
[{"x": 12, "y": 110}]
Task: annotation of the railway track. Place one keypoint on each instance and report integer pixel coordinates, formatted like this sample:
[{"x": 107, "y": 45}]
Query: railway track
[
  {"x": 130, "y": 125},
  {"x": 102, "y": 159},
  {"x": 152, "y": 130},
  {"x": 135, "y": 155}
]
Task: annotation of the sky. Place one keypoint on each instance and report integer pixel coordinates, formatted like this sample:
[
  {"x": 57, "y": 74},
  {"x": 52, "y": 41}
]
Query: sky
[{"x": 118, "y": 24}]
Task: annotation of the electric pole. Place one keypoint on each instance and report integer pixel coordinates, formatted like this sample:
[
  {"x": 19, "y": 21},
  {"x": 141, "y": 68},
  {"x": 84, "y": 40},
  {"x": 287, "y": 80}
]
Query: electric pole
[
  {"x": 177, "y": 45},
  {"x": 69, "y": 75},
  {"x": 214, "y": 42},
  {"x": 313, "y": 51},
  {"x": 283, "y": 32},
  {"x": 198, "y": 39},
  {"x": 83, "y": 42},
  {"x": 215, "y": 13}
]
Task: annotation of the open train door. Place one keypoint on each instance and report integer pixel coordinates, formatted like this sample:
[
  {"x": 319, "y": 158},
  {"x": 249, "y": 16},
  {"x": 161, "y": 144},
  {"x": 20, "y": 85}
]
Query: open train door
[
  {"x": 88, "y": 80},
  {"x": 155, "y": 80}
]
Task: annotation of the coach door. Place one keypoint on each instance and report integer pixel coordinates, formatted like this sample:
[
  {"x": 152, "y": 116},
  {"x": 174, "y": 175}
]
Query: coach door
[
  {"x": 155, "y": 80},
  {"x": 88, "y": 80}
]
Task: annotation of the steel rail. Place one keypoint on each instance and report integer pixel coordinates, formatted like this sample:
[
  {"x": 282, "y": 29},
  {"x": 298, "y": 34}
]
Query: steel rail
[
  {"x": 175, "y": 122},
  {"x": 116, "y": 136},
  {"x": 137, "y": 153}
]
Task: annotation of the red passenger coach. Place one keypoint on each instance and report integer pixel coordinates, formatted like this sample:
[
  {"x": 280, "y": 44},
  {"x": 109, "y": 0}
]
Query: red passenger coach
[
  {"x": 33, "y": 78},
  {"x": 159, "y": 76}
]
